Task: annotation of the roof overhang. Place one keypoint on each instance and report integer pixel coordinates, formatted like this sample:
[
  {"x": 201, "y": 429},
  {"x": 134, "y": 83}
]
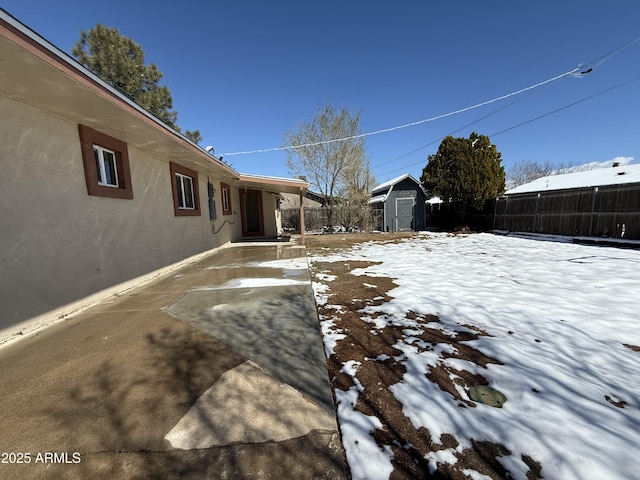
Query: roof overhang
[
  {"x": 378, "y": 199},
  {"x": 36, "y": 73},
  {"x": 388, "y": 185},
  {"x": 273, "y": 184}
]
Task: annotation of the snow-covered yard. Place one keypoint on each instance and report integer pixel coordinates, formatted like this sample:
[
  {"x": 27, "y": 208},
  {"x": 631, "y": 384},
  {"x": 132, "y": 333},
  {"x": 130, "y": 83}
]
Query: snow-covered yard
[{"x": 552, "y": 326}]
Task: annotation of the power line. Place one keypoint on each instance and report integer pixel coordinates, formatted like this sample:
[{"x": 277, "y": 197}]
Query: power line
[
  {"x": 412, "y": 124},
  {"x": 457, "y": 130},
  {"x": 580, "y": 71},
  {"x": 567, "y": 106},
  {"x": 589, "y": 67},
  {"x": 541, "y": 116}
]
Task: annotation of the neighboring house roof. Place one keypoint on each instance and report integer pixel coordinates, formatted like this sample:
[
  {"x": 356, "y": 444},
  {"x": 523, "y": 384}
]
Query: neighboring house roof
[
  {"x": 310, "y": 199},
  {"x": 591, "y": 178},
  {"x": 316, "y": 197},
  {"x": 382, "y": 191},
  {"x": 39, "y": 74}
]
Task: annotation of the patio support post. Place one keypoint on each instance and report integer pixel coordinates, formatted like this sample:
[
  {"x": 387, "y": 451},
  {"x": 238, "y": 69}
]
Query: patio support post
[{"x": 301, "y": 217}]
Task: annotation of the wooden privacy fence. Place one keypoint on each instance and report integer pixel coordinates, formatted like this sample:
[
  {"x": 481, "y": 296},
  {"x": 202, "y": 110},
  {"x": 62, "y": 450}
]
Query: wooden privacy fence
[
  {"x": 317, "y": 219},
  {"x": 608, "y": 211},
  {"x": 314, "y": 218}
]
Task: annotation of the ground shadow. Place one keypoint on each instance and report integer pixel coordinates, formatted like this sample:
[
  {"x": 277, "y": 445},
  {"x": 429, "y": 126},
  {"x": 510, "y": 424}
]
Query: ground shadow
[{"x": 118, "y": 421}]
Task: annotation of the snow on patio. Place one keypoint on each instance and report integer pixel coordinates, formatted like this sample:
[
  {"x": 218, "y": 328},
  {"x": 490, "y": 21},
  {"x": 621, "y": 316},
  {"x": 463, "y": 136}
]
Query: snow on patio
[{"x": 561, "y": 320}]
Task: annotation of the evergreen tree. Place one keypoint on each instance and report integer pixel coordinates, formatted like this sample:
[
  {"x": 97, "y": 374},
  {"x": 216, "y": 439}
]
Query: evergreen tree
[
  {"x": 193, "y": 135},
  {"x": 466, "y": 172},
  {"x": 120, "y": 61}
]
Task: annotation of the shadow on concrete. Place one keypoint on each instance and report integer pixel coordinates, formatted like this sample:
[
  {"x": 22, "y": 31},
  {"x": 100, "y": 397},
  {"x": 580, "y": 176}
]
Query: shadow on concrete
[
  {"x": 276, "y": 328},
  {"x": 118, "y": 422},
  {"x": 114, "y": 381},
  {"x": 272, "y": 239}
]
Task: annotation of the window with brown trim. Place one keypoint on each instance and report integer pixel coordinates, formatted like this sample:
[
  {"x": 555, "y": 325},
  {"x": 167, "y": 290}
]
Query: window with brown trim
[
  {"x": 184, "y": 186},
  {"x": 225, "y": 193},
  {"x": 106, "y": 164}
]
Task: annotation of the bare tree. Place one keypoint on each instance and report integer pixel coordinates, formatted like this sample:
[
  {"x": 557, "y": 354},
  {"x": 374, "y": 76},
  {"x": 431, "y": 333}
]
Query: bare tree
[
  {"x": 353, "y": 207},
  {"x": 324, "y": 150},
  {"x": 526, "y": 171}
]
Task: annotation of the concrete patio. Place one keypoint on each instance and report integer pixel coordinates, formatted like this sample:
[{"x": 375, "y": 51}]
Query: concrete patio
[{"x": 215, "y": 370}]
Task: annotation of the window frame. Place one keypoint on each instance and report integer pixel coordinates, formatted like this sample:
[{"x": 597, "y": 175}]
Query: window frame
[
  {"x": 89, "y": 139},
  {"x": 178, "y": 171},
  {"x": 101, "y": 168},
  {"x": 182, "y": 192},
  {"x": 225, "y": 196}
]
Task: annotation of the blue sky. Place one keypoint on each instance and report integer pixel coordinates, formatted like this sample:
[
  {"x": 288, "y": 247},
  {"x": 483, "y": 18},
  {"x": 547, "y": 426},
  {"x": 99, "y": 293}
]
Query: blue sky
[{"x": 244, "y": 72}]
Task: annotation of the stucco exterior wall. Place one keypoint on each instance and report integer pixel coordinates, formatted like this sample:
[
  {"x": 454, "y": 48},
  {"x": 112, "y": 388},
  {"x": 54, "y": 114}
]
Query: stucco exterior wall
[
  {"x": 293, "y": 201},
  {"x": 58, "y": 244},
  {"x": 269, "y": 206}
]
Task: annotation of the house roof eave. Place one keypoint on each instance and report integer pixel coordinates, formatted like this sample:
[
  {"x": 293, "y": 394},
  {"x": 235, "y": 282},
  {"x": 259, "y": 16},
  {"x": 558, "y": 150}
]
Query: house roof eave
[
  {"x": 37, "y": 73},
  {"x": 279, "y": 184}
]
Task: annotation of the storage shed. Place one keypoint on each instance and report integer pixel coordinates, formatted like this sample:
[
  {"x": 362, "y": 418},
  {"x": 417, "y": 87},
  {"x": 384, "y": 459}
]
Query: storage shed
[{"x": 402, "y": 204}]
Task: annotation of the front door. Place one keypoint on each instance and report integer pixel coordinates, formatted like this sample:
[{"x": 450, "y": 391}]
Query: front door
[{"x": 251, "y": 210}]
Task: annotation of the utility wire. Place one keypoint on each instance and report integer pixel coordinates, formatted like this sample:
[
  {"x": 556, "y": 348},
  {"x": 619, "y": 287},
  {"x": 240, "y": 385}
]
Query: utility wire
[
  {"x": 589, "y": 67},
  {"x": 538, "y": 117},
  {"x": 567, "y": 106},
  {"x": 580, "y": 71},
  {"x": 456, "y": 130},
  {"x": 412, "y": 124}
]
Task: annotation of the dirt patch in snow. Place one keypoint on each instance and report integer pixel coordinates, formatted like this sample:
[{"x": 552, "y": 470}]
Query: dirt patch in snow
[
  {"x": 370, "y": 344},
  {"x": 335, "y": 242}
]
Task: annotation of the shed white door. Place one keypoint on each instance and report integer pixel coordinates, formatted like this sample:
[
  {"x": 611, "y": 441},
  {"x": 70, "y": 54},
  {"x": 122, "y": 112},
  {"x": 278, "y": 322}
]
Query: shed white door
[{"x": 404, "y": 214}]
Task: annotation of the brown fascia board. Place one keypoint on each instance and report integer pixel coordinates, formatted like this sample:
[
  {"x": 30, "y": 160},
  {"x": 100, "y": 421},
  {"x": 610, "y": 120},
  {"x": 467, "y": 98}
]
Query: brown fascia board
[
  {"x": 21, "y": 35},
  {"x": 291, "y": 185}
]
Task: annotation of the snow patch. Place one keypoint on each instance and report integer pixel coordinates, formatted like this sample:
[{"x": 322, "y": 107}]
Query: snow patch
[{"x": 557, "y": 316}]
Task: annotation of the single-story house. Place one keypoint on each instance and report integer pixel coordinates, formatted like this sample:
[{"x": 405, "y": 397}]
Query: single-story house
[
  {"x": 603, "y": 202},
  {"x": 310, "y": 200},
  {"x": 402, "y": 202},
  {"x": 616, "y": 175},
  {"x": 96, "y": 193}
]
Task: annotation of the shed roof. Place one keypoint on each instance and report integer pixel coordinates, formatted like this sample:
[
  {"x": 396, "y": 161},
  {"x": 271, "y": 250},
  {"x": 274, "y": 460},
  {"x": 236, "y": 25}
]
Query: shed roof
[
  {"x": 591, "y": 178},
  {"x": 382, "y": 191},
  {"x": 394, "y": 181}
]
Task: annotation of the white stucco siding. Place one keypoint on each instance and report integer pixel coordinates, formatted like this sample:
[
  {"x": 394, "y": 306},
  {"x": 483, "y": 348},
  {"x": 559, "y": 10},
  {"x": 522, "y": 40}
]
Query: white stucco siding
[
  {"x": 269, "y": 214},
  {"x": 58, "y": 244}
]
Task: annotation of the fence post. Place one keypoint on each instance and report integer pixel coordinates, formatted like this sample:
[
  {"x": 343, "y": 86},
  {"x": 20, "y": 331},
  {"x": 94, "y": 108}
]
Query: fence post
[
  {"x": 535, "y": 216},
  {"x": 495, "y": 211},
  {"x": 593, "y": 210}
]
